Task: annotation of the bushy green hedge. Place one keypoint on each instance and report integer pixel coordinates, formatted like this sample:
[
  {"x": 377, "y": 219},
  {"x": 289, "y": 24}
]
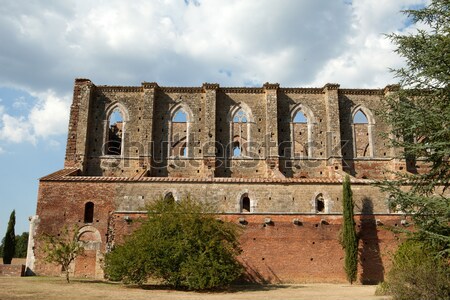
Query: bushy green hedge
[
  {"x": 181, "y": 243},
  {"x": 418, "y": 273}
]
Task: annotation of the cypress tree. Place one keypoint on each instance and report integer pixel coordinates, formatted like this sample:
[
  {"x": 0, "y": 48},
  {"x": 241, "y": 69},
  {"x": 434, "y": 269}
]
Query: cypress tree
[
  {"x": 9, "y": 247},
  {"x": 349, "y": 240}
]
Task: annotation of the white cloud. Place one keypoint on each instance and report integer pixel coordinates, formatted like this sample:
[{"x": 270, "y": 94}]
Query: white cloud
[
  {"x": 50, "y": 116},
  {"x": 47, "y": 118},
  {"x": 370, "y": 54},
  {"x": 16, "y": 129},
  {"x": 295, "y": 43},
  {"x": 2, "y": 150}
]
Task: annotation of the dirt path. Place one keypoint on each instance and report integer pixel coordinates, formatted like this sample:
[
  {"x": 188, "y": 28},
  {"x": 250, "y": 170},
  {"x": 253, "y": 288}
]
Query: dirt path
[{"x": 46, "y": 288}]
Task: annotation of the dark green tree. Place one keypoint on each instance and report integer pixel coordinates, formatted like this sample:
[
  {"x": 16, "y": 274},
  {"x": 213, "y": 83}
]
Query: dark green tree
[
  {"x": 9, "y": 246},
  {"x": 349, "y": 238},
  {"x": 181, "y": 243},
  {"x": 21, "y": 245},
  {"x": 419, "y": 117}
]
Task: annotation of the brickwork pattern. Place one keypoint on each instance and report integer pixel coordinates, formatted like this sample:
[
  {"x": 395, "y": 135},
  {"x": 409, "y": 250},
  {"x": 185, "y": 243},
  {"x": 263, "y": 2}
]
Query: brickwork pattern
[{"x": 286, "y": 236}]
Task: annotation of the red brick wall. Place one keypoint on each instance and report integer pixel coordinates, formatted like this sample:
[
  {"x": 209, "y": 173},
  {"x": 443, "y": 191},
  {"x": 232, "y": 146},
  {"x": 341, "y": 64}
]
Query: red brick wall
[
  {"x": 12, "y": 270},
  {"x": 309, "y": 252},
  {"x": 277, "y": 252},
  {"x": 62, "y": 203}
]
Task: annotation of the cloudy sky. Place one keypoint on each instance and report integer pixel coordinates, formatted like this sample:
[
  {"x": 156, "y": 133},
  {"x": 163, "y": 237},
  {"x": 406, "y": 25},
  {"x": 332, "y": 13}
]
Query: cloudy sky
[{"x": 45, "y": 45}]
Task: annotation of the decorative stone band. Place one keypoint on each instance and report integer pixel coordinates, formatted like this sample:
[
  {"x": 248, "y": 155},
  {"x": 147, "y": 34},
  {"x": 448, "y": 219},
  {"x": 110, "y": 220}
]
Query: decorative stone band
[{"x": 72, "y": 174}]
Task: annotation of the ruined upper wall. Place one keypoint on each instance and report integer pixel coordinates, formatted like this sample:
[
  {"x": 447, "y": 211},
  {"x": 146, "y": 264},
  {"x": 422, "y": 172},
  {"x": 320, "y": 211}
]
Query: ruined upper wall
[{"x": 271, "y": 144}]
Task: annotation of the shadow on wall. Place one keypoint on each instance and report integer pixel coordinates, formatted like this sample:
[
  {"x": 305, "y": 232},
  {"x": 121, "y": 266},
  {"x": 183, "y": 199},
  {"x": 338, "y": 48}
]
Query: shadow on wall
[
  {"x": 370, "y": 255},
  {"x": 252, "y": 275}
]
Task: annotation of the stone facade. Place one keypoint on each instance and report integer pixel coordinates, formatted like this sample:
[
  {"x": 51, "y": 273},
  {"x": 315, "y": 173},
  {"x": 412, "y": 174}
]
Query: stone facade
[{"x": 271, "y": 159}]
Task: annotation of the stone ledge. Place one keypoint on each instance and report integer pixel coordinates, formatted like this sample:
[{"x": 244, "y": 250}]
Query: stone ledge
[{"x": 12, "y": 270}]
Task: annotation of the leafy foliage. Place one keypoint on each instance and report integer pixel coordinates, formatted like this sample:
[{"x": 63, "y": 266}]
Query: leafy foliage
[
  {"x": 9, "y": 245},
  {"x": 63, "y": 248},
  {"x": 181, "y": 243},
  {"x": 417, "y": 273},
  {"x": 419, "y": 116},
  {"x": 349, "y": 238},
  {"x": 21, "y": 245}
]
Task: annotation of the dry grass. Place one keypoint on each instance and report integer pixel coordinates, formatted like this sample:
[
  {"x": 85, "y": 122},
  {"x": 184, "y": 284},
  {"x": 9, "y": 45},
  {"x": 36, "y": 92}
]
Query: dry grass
[{"x": 53, "y": 288}]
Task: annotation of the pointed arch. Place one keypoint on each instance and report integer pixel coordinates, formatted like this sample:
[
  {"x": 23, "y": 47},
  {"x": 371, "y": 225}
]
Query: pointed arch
[
  {"x": 180, "y": 118},
  {"x": 302, "y": 125},
  {"x": 362, "y": 122},
  {"x": 169, "y": 194},
  {"x": 321, "y": 203},
  {"x": 245, "y": 204},
  {"x": 240, "y": 119},
  {"x": 116, "y": 118}
]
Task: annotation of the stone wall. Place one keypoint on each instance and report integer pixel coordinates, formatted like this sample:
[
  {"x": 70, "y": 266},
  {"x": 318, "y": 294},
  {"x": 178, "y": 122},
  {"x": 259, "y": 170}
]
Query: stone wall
[
  {"x": 12, "y": 270},
  {"x": 291, "y": 172},
  {"x": 329, "y": 135}
]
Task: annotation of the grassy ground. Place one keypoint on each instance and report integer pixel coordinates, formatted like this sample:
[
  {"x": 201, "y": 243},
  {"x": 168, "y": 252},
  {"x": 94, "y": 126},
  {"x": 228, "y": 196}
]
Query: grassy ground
[{"x": 55, "y": 288}]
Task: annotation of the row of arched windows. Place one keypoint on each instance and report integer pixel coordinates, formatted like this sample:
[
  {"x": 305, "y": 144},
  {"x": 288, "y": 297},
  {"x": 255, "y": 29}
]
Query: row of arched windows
[{"x": 302, "y": 125}]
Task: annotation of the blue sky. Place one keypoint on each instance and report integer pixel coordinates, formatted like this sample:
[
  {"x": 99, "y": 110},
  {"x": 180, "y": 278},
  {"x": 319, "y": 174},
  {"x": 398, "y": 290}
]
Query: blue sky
[{"x": 46, "y": 45}]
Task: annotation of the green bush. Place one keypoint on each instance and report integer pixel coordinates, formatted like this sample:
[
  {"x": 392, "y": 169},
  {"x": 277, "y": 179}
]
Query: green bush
[
  {"x": 181, "y": 243},
  {"x": 419, "y": 273}
]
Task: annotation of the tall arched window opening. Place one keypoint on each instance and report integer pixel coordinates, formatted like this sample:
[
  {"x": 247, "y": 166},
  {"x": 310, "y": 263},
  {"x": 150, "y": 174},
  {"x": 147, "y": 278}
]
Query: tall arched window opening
[
  {"x": 302, "y": 122},
  {"x": 115, "y": 133},
  {"x": 320, "y": 204},
  {"x": 240, "y": 133},
  {"x": 300, "y": 133},
  {"x": 89, "y": 212},
  {"x": 362, "y": 134},
  {"x": 179, "y": 131},
  {"x": 245, "y": 203}
]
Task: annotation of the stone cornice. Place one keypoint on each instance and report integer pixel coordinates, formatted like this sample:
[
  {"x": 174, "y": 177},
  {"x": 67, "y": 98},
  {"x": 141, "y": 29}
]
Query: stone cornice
[
  {"x": 176, "y": 89},
  {"x": 361, "y": 91},
  {"x": 301, "y": 90},
  {"x": 331, "y": 86},
  {"x": 210, "y": 86},
  {"x": 150, "y": 85},
  {"x": 271, "y": 86},
  {"x": 239, "y": 90},
  {"x": 242, "y": 90},
  {"x": 115, "y": 89}
]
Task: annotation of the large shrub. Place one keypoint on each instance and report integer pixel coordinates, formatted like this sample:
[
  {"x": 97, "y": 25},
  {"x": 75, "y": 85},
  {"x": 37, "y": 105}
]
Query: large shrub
[
  {"x": 181, "y": 243},
  {"x": 419, "y": 273}
]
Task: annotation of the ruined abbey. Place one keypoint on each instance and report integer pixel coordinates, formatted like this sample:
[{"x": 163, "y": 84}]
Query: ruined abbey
[{"x": 271, "y": 159}]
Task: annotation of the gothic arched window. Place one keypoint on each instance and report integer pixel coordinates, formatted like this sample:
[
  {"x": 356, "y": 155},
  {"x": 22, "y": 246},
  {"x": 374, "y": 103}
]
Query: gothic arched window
[
  {"x": 240, "y": 133},
  {"x": 116, "y": 127},
  {"x": 362, "y": 125},
  {"x": 320, "y": 204},
  {"x": 245, "y": 203},
  {"x": 179, "y": 132},
  {"x": 302, "y": 122}
]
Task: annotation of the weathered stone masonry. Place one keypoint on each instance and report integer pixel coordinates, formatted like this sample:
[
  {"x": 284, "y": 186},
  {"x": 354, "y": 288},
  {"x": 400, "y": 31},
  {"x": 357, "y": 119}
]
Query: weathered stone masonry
[{"x": 271, "y": 159}]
